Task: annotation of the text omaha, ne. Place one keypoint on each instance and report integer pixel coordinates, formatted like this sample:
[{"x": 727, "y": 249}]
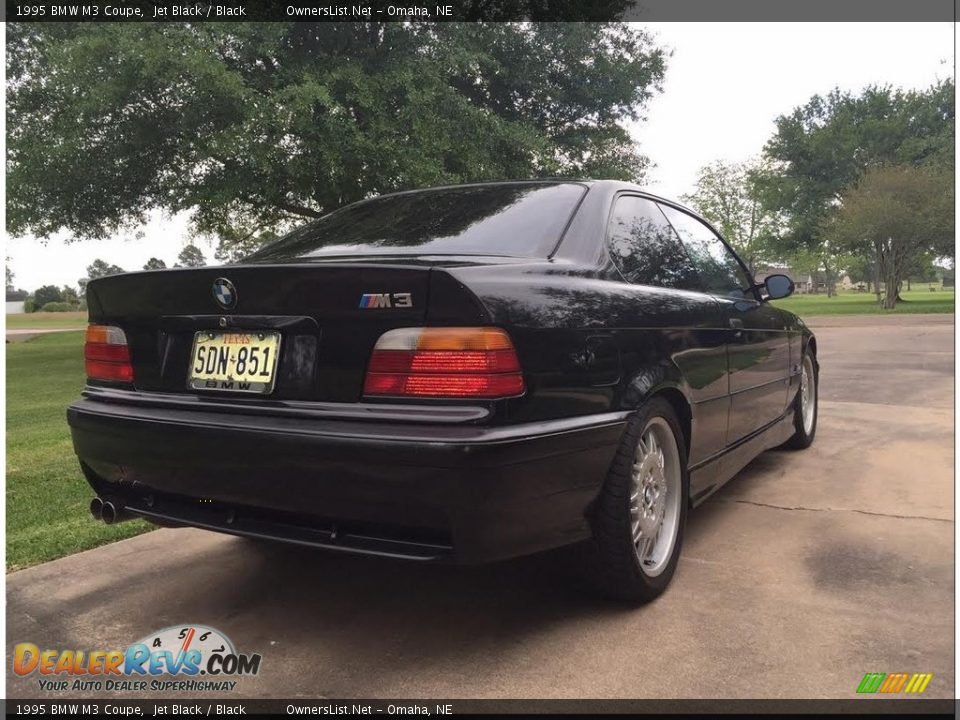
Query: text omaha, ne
[{"x": 390, "y": 11}]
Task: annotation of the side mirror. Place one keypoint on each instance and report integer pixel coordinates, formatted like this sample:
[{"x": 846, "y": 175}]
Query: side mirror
[{"x": 778, "y": 286}]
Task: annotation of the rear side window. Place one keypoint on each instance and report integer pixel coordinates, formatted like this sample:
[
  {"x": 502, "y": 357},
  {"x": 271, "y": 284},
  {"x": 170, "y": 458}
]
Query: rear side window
[
  {"x": 517, "y": 219},
  {"x": 645, "y": 248},
  {"x": 720, "y": 271}
]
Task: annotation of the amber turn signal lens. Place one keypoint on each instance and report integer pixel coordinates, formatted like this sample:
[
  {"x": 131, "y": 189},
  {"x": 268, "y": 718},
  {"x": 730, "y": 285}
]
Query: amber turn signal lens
[{"x": 483, "y": 339}]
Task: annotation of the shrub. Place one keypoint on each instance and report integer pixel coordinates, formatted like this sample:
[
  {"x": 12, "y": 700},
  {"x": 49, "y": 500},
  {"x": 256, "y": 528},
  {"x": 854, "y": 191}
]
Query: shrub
[
  {"x": 59, "y": 307},
  {"x": 29, "y": 305}
]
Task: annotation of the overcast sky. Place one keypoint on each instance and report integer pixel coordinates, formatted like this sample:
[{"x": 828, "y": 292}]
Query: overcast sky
[{"x": 725, "y": 84}]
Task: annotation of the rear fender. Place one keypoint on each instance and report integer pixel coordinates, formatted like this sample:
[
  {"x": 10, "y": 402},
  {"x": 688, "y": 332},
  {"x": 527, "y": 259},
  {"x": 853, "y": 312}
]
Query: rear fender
[{"x": 649, "y": 381}]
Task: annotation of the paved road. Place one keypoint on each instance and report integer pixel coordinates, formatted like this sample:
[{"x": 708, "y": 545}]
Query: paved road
[{"x": 806, "y": 571}]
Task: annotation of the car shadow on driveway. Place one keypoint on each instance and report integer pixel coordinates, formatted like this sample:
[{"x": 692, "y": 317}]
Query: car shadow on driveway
[
  {"x": 302, "y": 582},
  {"x": 453, "y": 604}
]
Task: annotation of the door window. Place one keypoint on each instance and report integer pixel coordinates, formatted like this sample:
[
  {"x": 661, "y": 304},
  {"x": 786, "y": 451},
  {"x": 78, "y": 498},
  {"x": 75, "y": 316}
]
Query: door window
[
  {"x": 645, "y": 248},
  {"x": 720, "y": 271}
]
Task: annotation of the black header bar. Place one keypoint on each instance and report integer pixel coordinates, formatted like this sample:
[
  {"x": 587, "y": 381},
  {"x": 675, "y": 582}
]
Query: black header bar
[
  {"x": 119, "y": 707},
  {"x": 477, "y": 10}
]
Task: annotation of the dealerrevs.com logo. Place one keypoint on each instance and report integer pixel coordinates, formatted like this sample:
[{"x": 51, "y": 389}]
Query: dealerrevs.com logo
[{"x": 177, "y": 658}]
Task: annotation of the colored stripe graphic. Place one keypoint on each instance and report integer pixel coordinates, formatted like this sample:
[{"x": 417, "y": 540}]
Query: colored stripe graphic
[
  {"x": 918, "y": 683},
  {"x": 894, "y": 683},
  {"x": 914, "y": 683},
  {"x": 871, "y": 682}
]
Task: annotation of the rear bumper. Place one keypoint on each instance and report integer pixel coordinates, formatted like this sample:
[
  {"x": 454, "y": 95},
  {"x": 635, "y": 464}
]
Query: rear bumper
[{"x": 451, "y": 492}]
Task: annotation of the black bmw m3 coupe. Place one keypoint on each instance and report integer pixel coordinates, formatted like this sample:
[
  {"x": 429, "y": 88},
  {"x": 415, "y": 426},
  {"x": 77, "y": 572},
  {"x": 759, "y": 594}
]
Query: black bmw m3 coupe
[{"x": 462, "y": 374}]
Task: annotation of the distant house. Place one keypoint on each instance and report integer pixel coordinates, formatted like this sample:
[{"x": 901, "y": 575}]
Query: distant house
[{"x": 15, "y": 299}]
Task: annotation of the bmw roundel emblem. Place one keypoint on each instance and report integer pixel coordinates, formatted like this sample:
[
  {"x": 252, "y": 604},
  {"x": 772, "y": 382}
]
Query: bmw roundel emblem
[{"x": 225, "y": 293}]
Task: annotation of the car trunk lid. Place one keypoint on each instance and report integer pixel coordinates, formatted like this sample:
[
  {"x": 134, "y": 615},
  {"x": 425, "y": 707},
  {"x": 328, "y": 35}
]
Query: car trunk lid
[{"x": 329, "y": 315}]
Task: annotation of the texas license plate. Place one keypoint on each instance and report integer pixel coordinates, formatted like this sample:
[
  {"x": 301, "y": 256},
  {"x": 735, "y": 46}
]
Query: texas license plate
[{"x": 237, "y": 362}]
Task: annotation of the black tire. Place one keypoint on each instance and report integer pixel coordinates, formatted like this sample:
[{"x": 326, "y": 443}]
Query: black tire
[
  {"x": 802, "y": 438},
  {"x": 611, "y": 560}
]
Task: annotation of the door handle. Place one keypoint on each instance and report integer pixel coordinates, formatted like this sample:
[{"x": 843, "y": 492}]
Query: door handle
[{"x": 736, "y": 323}]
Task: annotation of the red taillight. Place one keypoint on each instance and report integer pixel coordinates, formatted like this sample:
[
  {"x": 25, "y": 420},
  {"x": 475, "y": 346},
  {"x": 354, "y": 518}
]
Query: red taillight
[
  {"x": 107, "y": 354},
  {"x": 444, "y": 362}
]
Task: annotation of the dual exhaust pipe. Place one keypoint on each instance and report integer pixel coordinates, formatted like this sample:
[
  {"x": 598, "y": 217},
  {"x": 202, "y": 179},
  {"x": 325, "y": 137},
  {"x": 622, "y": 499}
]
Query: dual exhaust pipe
[{"x": 108, "y": 511}]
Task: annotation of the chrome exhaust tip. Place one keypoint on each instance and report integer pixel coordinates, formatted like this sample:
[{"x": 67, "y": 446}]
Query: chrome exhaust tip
[
  {"x": 96, "y": 508},
  {"x": 110, "y": 513}
]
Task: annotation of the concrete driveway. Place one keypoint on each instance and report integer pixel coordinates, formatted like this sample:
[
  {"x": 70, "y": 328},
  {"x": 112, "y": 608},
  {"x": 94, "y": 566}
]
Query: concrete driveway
[
  {"x": 805, "y": 572},
  {"x": 24, "y": 334}
]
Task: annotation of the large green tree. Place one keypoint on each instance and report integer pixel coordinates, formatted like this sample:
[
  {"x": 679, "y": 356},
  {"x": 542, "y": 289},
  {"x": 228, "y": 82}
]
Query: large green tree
[
  {"x": 252, "y": 125},
  {"x": 900, "y": 214},
  {"x": 47, "y": 294},
  {"x": 823, "y": 148}
]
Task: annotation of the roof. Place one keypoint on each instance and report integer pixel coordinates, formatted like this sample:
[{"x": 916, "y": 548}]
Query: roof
[{"x": 613, "y": 185}]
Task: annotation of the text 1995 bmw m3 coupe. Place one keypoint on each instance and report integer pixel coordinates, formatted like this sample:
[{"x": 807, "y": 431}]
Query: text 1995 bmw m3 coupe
[{"x": 462, "y": 373}]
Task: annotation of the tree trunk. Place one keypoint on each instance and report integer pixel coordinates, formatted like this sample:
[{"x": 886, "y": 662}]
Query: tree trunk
[
  {"x": 878, "y": 262},
  {"x": 890, "y": 296},
  {"x": 829, "y": 278}
]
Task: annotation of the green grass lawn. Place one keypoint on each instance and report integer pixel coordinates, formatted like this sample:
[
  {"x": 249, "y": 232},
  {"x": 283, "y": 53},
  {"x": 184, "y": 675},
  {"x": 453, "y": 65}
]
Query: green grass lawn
[
  {"x": 47, "y": 320},
  {"x": 915, "y": 301},
  {"x": 47, "y": 496}
]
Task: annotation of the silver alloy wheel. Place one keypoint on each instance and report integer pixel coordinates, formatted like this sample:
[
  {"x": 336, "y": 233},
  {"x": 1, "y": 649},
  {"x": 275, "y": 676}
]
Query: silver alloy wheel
[
  {"x": 655, "y": 496},
  {"x": 808, "y": 395}
]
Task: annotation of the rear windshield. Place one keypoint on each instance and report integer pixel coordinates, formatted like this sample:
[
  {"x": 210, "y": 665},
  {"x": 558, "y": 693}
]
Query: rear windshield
[{"x": 523, "y": 220}]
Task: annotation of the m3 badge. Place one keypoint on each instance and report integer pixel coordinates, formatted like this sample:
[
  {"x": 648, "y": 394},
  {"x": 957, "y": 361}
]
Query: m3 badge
[{"x": 386, "y": 300}]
